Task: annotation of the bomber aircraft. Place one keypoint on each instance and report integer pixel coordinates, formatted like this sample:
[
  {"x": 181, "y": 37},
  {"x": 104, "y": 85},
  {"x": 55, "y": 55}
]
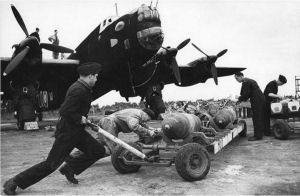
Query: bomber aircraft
[{"x": 130, "y": 49}]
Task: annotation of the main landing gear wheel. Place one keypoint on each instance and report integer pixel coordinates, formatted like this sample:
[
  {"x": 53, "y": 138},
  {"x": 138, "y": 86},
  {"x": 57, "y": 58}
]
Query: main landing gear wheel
[
  {"x": 281, "y": 129},
  {"x": 20, "y": 125},
  {"x": 118, "y": 162},
  {"x": 192, "y": 162}
]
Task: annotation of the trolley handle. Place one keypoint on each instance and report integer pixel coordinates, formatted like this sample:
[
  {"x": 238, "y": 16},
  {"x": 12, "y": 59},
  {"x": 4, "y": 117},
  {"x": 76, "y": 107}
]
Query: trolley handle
[{"x": 93, "y": 126}]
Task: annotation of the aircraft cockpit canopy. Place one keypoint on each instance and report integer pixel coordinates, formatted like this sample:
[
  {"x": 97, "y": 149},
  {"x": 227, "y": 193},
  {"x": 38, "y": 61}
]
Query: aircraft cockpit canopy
[
  {"x": 106, "y": 22},
  {"x": 148, "y": 14}
]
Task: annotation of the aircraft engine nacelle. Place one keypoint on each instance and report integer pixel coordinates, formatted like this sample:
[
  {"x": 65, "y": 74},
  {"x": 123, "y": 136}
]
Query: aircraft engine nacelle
[{"x": 180, "y": 125}]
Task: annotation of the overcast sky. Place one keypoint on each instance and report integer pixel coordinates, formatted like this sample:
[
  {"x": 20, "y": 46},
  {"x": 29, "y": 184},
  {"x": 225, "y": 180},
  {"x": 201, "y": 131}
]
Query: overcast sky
[{"x": 261, "y": 35}]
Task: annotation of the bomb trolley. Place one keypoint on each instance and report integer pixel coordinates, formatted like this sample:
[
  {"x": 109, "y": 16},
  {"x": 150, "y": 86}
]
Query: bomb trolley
[
  {"x": 286, "y": 118},
  {"x": 190, "y": 156}
]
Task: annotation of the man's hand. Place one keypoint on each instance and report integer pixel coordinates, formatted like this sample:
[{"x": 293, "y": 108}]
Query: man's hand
[
  {"x": 155, "y": 132},
  {"x": 279, "y": 97},
  {"x": 83, "y": 120},
  {"x": 151, "y": 132}
]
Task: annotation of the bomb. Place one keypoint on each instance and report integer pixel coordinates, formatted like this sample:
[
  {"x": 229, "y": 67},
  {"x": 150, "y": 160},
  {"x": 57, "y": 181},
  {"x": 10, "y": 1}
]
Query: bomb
[
  {"x": 224, "y": 117},
  {"x": 180, "y": 125}
]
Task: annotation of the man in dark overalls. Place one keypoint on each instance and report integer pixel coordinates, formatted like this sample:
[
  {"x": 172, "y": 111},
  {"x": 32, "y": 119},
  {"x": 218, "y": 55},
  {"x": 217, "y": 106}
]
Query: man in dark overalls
[
  {"x": 154, "y": 99},
  {"x": 270, "y": 93},
  {"x": 250, "y": 89},
  {"x": 36, "y": 34},
  {"x": 70, "y": 134}
]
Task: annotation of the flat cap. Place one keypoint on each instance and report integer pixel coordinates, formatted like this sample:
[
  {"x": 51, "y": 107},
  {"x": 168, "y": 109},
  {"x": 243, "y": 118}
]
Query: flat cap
[
  {"x": 282, "y": 79},
  {"x": 86, "y": 69}
]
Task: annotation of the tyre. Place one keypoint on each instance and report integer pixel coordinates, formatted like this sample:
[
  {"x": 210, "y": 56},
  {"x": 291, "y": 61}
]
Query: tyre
[
  {"x": 192, "y": 162},
  {"x": 20, "y": 125},
  {"x": 117, "y": 159},
  {"x": 243, "y": 133},
  {"x": 40, "y": 116},
  {"x": 281, "y": 129}
]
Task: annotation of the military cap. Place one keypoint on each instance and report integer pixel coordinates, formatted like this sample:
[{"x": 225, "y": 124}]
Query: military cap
[
  {"x": 282, "y": 79},
  {"x": 86, "y": 69}
]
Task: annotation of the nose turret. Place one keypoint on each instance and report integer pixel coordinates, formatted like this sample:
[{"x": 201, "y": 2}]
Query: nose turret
[{"x": 149, "y": 34}]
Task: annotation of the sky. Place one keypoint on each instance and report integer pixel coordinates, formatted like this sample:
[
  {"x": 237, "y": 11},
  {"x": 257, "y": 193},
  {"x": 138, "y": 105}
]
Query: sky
[{"x": 260, "y": 35}]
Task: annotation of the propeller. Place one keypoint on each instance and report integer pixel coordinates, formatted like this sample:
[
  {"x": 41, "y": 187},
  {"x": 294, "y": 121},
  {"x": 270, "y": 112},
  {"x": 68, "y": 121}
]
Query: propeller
[
  {"x": 56, "y": 48},
  {"x": 183, "y": 44},
  {"x": 29, "y": 45},
  {"x": 172, "y": 52},
  {"x": 221, "y": 53},
  {"x": 214, "y": 71},
  {"x": 15, "y": 61},
  {"x": 175, "y": 70},
  {"x": 19, "y": 19}
]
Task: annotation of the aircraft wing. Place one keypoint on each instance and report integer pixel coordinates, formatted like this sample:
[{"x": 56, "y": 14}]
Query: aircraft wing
[
  {"x": 51, "y": 72},
  {"x": 198, "y": 72}
]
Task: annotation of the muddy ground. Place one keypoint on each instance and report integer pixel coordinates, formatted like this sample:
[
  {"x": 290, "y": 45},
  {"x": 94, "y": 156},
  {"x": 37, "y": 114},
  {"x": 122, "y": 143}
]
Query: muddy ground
[{"x": 268, "y": 166}]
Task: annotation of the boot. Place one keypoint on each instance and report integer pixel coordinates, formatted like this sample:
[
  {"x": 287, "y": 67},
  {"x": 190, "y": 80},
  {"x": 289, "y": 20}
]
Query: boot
[
  {"x": 10, "y": 187},
  {"x": 67, "y": 171}
]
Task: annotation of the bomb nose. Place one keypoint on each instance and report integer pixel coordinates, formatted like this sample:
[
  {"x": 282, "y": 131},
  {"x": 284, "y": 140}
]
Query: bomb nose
[{"x": 167, "y": 127}]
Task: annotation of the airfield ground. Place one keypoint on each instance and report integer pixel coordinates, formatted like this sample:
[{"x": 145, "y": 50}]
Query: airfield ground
[{"x": 265, "y": 167}]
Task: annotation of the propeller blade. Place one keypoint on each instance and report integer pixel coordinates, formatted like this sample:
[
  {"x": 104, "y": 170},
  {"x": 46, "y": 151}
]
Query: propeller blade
[
  {"x": 214, "y": 73},
  {"x": 176, "y": 72},
  {"x": 16, "y": 61},
  {"x": 183, "y": 44},
  {"x": 221, "y": 53},
  {"x": 55, "y": 48},
  {"x": 19, "y": 19},
  {"x": 200, "y": 50}
]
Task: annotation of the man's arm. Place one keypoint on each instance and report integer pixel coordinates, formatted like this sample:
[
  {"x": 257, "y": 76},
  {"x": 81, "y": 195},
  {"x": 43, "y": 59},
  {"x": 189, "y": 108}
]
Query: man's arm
[
  {"x": 136, "y": 127},
  {"x": 245, "y": 92}
]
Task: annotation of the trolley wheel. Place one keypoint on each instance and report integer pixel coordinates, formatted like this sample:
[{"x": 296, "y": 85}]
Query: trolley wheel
[
  {"x": 281, "y": 129},
  {"x": 117, "y": 159},
  {"x": 192, "y": 162},
  {"x": 243, "y": 133}
]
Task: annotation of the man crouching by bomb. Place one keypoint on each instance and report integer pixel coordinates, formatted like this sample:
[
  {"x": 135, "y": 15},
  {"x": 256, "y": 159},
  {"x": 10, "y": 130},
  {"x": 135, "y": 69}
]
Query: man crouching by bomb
[{"x": 125, "y": 121}]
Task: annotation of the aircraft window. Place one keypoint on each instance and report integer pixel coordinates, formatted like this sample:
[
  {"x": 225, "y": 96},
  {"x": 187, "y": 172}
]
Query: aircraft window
[
  {"x": 104, "y": 22},
  {"x": 109, "y": 20},
  {"x": 119, "y": 26},
  {"x": 151, "y": 39}
]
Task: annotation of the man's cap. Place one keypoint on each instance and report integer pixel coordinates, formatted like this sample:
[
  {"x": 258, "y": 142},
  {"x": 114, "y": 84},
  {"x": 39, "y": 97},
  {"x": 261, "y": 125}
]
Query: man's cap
[
  {"x": 238, "y": 74},
  {"x": 86, "y": 69},
  {"x": 282, "y": 79},
  {"x": 149, "y": 112}
]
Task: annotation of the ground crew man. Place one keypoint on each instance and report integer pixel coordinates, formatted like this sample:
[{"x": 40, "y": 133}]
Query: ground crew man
[
  {"x": 271, "y": 95},
  {"x": 36, "y": 34},
  {"x": 125, "y": 121},
  {"x": 250, "y": 89},
  {"x": 154, "y": 99},
  {"x": 55, "y": 41},
  {"x": 70, "y": 134}
]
